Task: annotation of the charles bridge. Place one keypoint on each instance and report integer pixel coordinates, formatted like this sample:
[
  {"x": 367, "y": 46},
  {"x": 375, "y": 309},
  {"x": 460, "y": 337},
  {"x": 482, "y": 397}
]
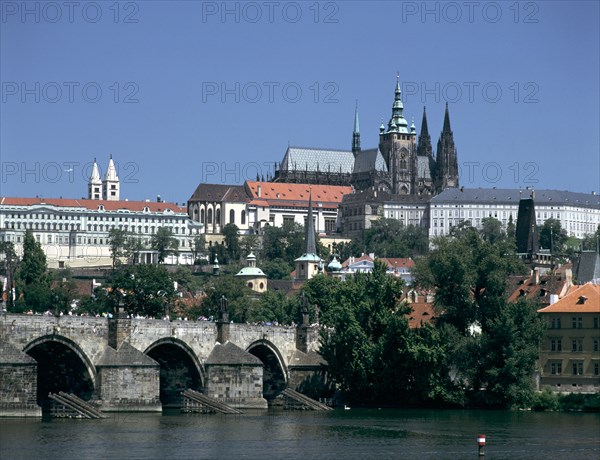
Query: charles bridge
[{"x": 127, "y": 364}]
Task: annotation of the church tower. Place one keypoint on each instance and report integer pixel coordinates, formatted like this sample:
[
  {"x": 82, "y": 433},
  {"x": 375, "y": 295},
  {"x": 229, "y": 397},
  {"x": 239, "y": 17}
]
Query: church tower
[
  {"x": 309, "y": 264},
  {"x": 397, "y": 144},
  {"x": 446, "y": 173},
  {"x": 95, "y": 184},
  {"x": 356, "y": 134},
  {"x": 110, "y": 184}
]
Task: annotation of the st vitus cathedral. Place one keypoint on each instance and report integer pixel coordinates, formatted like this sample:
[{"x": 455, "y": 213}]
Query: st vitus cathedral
[
  {"x": 398, "y": 166},
  {"x": 409, "y": 167}
]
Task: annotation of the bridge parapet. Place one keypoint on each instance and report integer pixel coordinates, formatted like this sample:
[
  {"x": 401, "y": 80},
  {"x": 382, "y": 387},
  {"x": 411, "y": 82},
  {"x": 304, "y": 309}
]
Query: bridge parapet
[{"x": 89, "y": 333}]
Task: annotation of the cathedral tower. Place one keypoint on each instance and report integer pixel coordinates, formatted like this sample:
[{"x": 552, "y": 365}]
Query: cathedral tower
[
  {"x": 446, "y": 173},
  {"x": 397, "y": 144}
]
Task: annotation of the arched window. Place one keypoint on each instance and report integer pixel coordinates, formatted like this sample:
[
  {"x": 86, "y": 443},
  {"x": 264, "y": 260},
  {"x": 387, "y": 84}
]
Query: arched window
[
  {"x": 218, "y": 216},
  {"x": 243, "y": 217},
  {"x": 232, "y": 217},
  {"x": 202, "y": 216},
  {"x": 209, "y": 216},
  {"x": 250, "y": 284}
]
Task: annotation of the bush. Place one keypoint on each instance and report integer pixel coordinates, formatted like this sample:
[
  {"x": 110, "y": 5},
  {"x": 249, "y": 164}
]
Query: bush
[{"x": 545, "y": 400}]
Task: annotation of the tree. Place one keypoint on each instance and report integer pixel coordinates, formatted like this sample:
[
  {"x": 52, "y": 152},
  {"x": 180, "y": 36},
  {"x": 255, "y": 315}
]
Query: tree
[
  {"x": 511, "y": 230},
  {"x": 8, "y": 266},
  {"x": 285, "y": 242},
  {"x": 389, "y": 238},
  {"x": 469, "y": 275},
  {"x": 509, "y": 350},
  {"x": 553, "y": 236},
  {"x": 277, "y": 269},
  {"x": 117, "y": 241},
  {"x": 232, "y": 241},
  {"x": 249, "y": 244},
  {"x": 491, "y": 230},
  {"x": 198, "y": 247},
  {"x": 32, "y": 279},
  {"x": 141, "y": 290},
  {"x": 237, "y": 294},
  {"x": 164, "y": 243},
  {"x": 273, "y": 306},
  {"x": 133, "y": 247}
]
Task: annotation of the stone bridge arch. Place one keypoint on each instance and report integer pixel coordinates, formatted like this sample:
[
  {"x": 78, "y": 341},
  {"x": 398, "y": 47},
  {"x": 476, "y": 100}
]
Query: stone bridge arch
[
  {"x": 275, "y": 372},
  {"x": 62, "y": 366},
  {"x": 180, "y": 369}
]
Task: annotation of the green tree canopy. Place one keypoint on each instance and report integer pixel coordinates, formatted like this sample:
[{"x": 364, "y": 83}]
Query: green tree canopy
[
  {"x": 389, "y": 238},
  {"x": 232, "y": 241},
  {"x": 141, "y": 290},
  {"x": 553, "y": 236},
  {"x": 117, "y": 241},
  {"x": 164, "y": 243}
]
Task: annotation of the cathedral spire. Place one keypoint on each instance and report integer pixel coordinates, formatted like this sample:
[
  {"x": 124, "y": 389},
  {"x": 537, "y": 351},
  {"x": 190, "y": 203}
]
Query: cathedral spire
[
  {"x": 311, "y": 244},
  {"x": 446, "y": 121},
  {"x": 356, "y": 133},
  {"x": 424, "y": 128},
  {"x": 397, "y": 123}
]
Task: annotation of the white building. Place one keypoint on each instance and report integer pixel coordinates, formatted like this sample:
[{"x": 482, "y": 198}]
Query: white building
[
  {"x": 75, "y": 232},
  {"x": 578, "y": 213},
  {"x": 255, "y": 205}
]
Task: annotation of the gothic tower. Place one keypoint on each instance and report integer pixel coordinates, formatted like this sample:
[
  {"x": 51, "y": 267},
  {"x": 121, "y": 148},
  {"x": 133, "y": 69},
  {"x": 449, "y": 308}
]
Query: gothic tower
[
  {"x": 356, "y": 134},
  {"x": 398, "y": 146},
  {"x": 110, "y": 184},
  {"x": 95, "y": 184},
  {"x": 446, "y": 173}
]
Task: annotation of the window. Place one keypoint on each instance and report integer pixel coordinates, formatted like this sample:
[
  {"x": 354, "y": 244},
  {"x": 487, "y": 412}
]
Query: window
[
  {"x": 555, "y": 323},
  {"x": 577, "y": 368},
  {"x": 556, "y": 368},
  {"x": 209, "y": 216},
  {"x": 243, "y": 217},
  {"x": 556, "y": 345},
  {"x": 577, "y": 322},
  {"x": 202, "y": 216},
  {"x": 596, "y": 345},
  {"x": 596, "y": 321},
  {"x": 577, "y": 345},
  {"x": 596, "y": 368},
  {"x": 232, "y": 217}
]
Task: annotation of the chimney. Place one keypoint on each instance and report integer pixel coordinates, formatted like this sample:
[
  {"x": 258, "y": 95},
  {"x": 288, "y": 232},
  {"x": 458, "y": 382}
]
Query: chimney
[
  {"x": 568, "y": 277},
  {"x": 536, "y": 276},
  {"x": 259, "y": 190}
]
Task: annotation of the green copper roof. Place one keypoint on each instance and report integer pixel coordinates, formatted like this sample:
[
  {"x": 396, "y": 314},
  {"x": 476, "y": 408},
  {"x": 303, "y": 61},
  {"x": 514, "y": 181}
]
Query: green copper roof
[
  {"x": 250, "y": 271},
  {"x": 311, "y": 257}
]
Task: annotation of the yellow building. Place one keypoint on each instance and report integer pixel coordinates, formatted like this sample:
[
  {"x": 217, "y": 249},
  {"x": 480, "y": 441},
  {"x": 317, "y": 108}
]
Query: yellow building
[
  {"x": 253, "y": 276},
  {"x": 570, "y": 350}
]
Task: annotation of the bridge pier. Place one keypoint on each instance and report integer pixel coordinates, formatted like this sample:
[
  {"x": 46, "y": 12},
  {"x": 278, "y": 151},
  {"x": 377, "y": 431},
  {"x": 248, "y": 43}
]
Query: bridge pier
[
  {"x": 128, "y": 381},
  {"x": 18, "y": 383}
]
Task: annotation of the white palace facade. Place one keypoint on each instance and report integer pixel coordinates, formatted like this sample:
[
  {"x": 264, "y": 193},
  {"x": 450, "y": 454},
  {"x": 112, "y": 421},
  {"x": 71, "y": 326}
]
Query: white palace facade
[{"x": 75, "y": 232}]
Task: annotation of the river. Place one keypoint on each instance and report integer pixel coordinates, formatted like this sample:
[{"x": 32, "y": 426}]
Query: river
[{"x": 342, "y": 434}]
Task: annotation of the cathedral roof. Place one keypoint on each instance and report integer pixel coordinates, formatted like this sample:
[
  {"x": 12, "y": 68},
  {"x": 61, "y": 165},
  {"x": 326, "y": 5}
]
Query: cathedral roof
[
  {"x": 313, "y": 159},
  {"x": 423, "y": 167},
  {"x": 369, "y": 160},
  {"x": 543, "y": 197}
]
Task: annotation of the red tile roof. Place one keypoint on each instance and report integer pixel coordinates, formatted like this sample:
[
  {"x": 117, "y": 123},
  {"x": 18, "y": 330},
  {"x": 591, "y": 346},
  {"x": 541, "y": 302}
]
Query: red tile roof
[
  {"x": 391, "y": 262},
  {"x": 422, "y": 313},
  {"x": 297, "y": 195},
  {"x": 92, "y": 205},
  {"x": 585, "y": 299}
]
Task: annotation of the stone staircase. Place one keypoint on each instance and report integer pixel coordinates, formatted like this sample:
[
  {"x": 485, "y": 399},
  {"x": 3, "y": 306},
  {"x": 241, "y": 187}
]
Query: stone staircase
[
  {"x": 67, "y": 405},
  {"x": 296, "y": 400},
  {"x": 196, "y": 402}
]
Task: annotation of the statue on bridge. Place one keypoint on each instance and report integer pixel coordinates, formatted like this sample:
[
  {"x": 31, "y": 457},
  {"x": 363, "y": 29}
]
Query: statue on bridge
[{"x": 223, "y": 309}]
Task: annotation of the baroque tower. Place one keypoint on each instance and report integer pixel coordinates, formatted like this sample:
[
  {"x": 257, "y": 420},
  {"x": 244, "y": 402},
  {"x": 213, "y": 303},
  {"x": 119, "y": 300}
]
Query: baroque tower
[
  {"x": 446, "y": 173},
  {"x": 397, "y": 145},
  {"x": 110, "y": 184},
  {"x": 95, "y": 184}
]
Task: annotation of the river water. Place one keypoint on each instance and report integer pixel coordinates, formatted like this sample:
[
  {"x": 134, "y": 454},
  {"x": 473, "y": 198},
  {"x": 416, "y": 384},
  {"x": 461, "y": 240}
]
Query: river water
[{"x": 276, "y": 434}]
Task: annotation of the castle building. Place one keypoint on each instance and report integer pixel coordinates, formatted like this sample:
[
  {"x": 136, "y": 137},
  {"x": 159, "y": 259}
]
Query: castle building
[{"x": 398, "y": 165}]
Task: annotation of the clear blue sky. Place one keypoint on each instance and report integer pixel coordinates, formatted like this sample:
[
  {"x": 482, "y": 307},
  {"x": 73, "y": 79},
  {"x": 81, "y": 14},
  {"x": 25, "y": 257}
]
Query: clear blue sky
[{"x": 179, "y": 83}]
